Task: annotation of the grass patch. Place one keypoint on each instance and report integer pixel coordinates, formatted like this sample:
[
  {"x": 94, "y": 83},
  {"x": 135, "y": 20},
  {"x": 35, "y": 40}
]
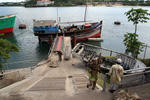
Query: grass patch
[
  {"x": 100, "y": 80},
  {"x": 109, "y": 57}
]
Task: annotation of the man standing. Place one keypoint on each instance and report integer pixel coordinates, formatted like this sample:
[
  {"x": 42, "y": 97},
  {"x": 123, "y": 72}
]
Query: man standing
[{"x": 116, "y": 73}]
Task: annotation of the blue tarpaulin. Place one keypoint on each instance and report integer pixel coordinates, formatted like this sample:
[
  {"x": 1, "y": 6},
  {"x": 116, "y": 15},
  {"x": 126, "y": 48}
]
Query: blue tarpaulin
[{"x": 46, "y": 29}]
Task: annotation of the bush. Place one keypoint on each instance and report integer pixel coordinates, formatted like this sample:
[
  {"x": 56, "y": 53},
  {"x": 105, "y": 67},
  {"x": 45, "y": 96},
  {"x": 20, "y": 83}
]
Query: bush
[{"x": 6, "y": 48}]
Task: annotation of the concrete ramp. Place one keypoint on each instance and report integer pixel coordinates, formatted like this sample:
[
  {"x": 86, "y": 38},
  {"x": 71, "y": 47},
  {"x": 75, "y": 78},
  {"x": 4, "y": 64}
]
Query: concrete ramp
[{"x": 49, "y": 84}]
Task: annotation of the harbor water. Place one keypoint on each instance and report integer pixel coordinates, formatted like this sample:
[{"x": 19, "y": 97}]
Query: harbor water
[{"x": 31, "y": 52}]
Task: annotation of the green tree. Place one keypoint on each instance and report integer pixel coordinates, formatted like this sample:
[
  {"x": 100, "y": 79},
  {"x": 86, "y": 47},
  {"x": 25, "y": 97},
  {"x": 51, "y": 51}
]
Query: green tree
[
  {"x": 30, "y": 3},
  {"x": 5, "y": 48},
  {"x": 133, "y": 45},
  {"x": 137, "y": 16}
]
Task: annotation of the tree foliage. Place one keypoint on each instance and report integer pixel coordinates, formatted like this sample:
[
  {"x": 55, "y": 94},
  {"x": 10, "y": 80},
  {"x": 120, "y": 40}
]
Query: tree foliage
[
  {"x": 137, "y": 16},
  {"x": 133, "y": 45},
  {"x": 30, "y": 2},
  {"x": 63, "y": 2},
  {"x": 5, "y": 48}
]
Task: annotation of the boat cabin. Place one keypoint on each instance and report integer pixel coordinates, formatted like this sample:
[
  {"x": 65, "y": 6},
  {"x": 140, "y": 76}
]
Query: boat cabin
[{"x": 45, "y": 27}]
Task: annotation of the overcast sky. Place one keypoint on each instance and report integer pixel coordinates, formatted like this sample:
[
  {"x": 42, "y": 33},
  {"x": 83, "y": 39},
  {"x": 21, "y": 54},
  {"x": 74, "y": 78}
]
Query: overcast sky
[{"x": 11, "y": 0}]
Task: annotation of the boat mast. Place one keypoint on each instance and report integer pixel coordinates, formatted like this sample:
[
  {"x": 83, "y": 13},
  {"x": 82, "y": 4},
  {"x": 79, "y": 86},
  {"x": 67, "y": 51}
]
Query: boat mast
[
  {"x": 57, "y": 15},
  {"x": 85, "y": 13}
]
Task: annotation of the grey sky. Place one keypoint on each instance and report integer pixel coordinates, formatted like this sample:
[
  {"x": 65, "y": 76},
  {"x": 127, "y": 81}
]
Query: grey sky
[{"x": 11, "y": 0}]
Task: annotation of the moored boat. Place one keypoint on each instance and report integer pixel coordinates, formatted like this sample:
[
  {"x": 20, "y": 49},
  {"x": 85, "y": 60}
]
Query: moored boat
[
  {"x": 77, "y": 30},
  {"x": 85, "y": 31},
  {"x": 80, "y": 32},
  {"x": 117, "y": 22},
  {"x": 7, "y": 24}
]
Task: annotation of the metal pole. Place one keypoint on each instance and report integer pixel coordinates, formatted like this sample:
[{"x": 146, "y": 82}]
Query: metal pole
[
  {"x": 110, "y": 53},
  {"x": 85, "y": 13},
  {"x": 57, "y": 15},
  {"x": 59, "y": 19},
  {"x": 145, "y": 51}
]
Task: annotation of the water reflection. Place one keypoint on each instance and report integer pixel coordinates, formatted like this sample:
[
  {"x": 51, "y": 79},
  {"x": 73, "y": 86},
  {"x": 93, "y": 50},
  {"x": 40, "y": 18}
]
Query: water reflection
[
  {"x": 41, "y": 53},
  {"x": 12, "y": 38},
  {"x": 42, "y": 49}
]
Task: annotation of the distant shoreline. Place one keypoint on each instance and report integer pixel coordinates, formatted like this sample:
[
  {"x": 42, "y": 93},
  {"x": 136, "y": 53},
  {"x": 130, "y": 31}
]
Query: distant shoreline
[{"x": 107, "y": 4}]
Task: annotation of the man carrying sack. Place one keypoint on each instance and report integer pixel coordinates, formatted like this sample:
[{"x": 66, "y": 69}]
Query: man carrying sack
[
  {"x": 115, "y": 73},
  {"x": 93, "y": 71}
]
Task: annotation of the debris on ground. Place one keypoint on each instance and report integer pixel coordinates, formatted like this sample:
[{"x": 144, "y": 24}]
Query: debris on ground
[
  {"x": 53, "y": 61},
  {"x": 124, "y": 95}
]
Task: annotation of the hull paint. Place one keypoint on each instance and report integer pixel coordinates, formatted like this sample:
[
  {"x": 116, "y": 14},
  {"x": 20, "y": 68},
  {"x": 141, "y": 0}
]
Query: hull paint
[
  {"x": 6, "y": 30},
  {"x": 7, "y": 24},
  {"x": 86, "y": 38}
]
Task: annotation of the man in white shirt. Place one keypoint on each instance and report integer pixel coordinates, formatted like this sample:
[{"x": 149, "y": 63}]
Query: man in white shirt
[{"x": 116, "y": 73}]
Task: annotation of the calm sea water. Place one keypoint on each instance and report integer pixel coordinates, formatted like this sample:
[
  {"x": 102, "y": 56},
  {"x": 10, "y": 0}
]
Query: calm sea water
[{"x": 30, "y": 50}]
